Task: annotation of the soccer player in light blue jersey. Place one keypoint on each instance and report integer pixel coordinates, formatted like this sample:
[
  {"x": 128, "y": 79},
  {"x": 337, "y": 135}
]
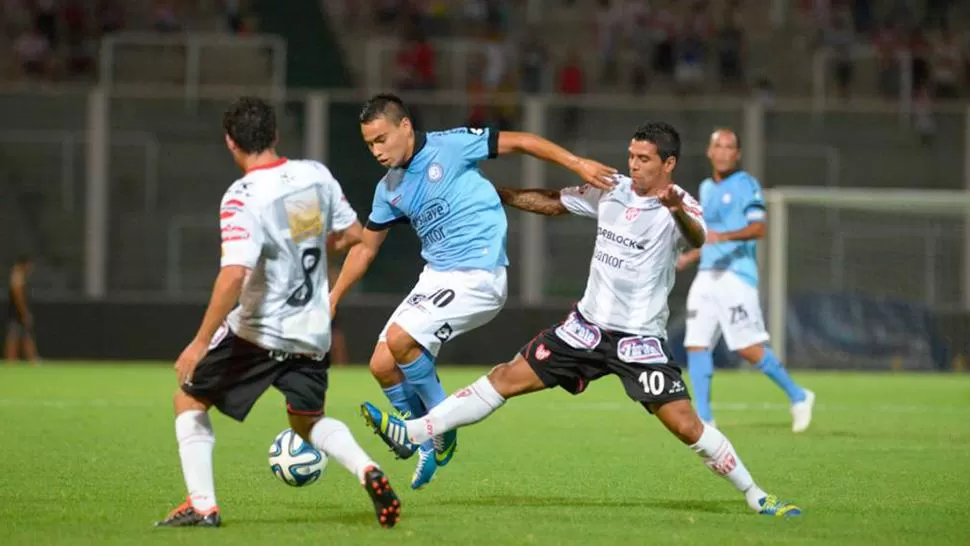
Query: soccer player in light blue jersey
[
  {"x": 724, "y": 295},
  {"x": 433, "y": 182}
]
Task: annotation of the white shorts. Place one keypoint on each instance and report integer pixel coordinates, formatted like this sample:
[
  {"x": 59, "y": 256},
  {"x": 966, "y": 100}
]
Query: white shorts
[
  {"x": 446, "y": 304},
  {"x": 720, "y": 302}
]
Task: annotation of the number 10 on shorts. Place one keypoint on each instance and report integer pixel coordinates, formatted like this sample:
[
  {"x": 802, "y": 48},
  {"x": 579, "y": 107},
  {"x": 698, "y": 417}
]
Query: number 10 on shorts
[{"x": 653, "y": 382}]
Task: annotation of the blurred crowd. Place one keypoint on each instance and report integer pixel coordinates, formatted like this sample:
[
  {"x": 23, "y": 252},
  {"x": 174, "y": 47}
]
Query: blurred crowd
[
  {"x": 682, "y": 46},
  {"x": 930, "y": 36},
  {"x": 58, "y": 39}
]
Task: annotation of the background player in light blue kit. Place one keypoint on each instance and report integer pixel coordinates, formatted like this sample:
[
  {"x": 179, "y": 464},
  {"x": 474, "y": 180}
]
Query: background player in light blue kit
[
  {"x": 433, "y": 183},
  {"x": 724, "y": 295}
]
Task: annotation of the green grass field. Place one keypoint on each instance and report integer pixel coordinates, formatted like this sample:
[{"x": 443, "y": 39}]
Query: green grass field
[{"x": 88, "y": 456}]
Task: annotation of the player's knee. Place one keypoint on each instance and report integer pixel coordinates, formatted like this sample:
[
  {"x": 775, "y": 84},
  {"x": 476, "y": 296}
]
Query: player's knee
[
  {"x": 688, "y": 429},
  {"x": 402, "y": 346},
  {"x": 696, "y": 349},
  {"x": 753, "y": 353},
  {"x": 514, "y": 378},
  {"x": 303, "y": 424},
  {"x": 183, "y": 402},
  {"x": 384, "y": 368}
]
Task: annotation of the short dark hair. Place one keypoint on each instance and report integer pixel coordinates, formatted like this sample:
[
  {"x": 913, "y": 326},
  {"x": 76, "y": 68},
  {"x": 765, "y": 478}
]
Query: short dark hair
[
  {"x": 662, "y": 135},
  {"x": 23, "y": 259},
  {"x": 384, "y": 105},
  {"x": 251, "y": 123}
]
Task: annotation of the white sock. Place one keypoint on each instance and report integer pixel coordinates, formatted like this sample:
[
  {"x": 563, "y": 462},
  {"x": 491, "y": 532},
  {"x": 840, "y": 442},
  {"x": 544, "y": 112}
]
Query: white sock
[
  {"x": 193, "y": 430},
  {"x": 334, "y": 438},
  {"x": 465, "y": 407},
  {"x": 719, "y": 456}
]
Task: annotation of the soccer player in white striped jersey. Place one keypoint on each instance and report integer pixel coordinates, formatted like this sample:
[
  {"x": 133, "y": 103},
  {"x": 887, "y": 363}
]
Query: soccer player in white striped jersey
[
  {"x": 620, "y": 325},
  {"x": 724, "y": 295},
  {"x": 277, "y": 222}
]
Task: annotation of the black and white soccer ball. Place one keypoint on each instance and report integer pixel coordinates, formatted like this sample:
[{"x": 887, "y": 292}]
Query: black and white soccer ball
[{"x": 294, "y": 461}]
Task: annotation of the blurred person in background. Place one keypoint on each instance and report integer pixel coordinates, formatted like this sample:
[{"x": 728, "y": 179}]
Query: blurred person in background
[
  {"x": 730, "y": 50},
  {"x": 947, "y": 62},
  {"x": 533, "y": 58},
  {"x": 14, "y": 16},
  {"x": 20, "y": 321},
  {"x": 571, "y": 85},
  {"x": 45, "y": 19},
  {"x": 919, "y": 48},
  {"x": 111, "y": 16},
  {"x": 164, "y": 18},
  {"x": 839, "y": 38},
  {"x": 33, "y": 50},
  {"x": 664, "y": 28},
  {"x": 416, "y": 62},
  {"x": 888, "y": 42},
  {"x": 607, "y": 26}
]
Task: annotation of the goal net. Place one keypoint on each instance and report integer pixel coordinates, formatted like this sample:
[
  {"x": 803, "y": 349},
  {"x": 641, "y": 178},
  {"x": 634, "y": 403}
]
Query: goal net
[{"x": 866, "y": 278}]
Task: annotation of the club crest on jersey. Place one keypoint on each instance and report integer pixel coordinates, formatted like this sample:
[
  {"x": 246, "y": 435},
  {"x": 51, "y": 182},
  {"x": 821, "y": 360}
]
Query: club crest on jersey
[
  {"x": 631, "y": 214},
  {"x": 641, "y": 350},
  {"x": 542, "y": 352},
  {"x": 726, "y": 199},
  {"x": 579, "y": 334},
  {"x": 435, "y": 172}
]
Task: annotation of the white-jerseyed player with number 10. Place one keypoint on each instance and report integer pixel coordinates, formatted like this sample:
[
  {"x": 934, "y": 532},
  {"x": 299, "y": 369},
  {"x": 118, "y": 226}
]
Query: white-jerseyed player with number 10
[{"x": 619, "y": 327}]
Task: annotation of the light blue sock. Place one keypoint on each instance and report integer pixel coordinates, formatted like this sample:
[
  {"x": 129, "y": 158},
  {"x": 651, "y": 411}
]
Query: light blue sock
[
  {"x": 421, "y": 375},
  {"x": 773, "y": 368},
  {"x": 405, "y": 399},
  {"x": 700, "y": 368}
]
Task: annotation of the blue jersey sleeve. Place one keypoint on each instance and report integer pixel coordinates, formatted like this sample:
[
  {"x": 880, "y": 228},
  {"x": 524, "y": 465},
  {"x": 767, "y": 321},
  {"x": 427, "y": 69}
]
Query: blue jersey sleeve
[
  {"x": 382, "y": 213},
  {"x": 473, "y": 144},
  {"x": 703, "y": 191},
  {"x": 754, "y": 201}
]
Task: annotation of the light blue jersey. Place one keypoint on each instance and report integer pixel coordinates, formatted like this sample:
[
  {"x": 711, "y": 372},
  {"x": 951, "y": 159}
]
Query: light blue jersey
[
  {"x": 730, "y": 205},
  {"x": 452, "y": 207}
]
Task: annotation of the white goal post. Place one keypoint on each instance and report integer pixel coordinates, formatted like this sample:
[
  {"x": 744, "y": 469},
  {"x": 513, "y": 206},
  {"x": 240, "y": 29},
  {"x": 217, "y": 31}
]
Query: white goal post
[{"x": 906, "y": 245}]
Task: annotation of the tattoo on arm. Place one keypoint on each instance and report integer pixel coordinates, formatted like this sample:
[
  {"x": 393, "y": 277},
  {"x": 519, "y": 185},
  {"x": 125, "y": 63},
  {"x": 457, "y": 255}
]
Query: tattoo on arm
[{"x": 539, "y": 201}]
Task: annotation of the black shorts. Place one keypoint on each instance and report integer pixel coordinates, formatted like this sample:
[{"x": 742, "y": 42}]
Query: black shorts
[
  {"x": 235, "y": 373},
  {"x": 574, "y": 353}
]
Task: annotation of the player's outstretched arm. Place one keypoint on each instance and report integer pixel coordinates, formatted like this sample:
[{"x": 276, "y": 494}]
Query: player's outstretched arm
[
  {"x": 339, "y": 241},
  {"x": 688, "y": 258},
  {"x": 225, "y": 294},
  {"x": 751, "y": 232},
  {"x": 358, "y": 261},
  {"x": 539, "y": 201},
  {"x": 592, "y": 172},
  {"x": 687, "y": 215}
]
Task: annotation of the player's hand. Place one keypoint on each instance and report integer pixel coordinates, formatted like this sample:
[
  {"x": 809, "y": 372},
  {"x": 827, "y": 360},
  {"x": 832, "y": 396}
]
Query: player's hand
[
  {"x": 671, "y": 198},
  {"x": 714, "y": 237},
  {"x": 596, "y": 174},
  {"x": 189, "y": 359},
  {"x": 684, "y": 261}
]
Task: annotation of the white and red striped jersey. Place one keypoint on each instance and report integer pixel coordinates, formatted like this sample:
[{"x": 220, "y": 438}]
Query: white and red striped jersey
[
  {"x": 275, "y": 221},
  {"x": 633, "y": 268}
]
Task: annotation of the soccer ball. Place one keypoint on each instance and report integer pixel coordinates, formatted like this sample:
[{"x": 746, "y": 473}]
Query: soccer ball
[{"x": 294, "y": 461}]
